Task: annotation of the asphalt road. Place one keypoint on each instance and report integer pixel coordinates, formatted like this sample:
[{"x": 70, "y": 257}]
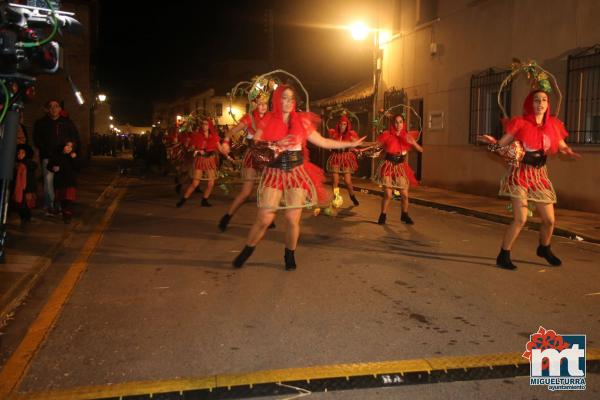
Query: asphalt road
[{"x": 160, "y": 300}]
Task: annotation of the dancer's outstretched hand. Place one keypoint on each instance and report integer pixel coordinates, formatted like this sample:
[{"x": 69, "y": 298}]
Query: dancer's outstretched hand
[
  {"x": 487, "y": 139},
  {"x": 567, "y": 151},
  {"x": 358, "y": 142}
]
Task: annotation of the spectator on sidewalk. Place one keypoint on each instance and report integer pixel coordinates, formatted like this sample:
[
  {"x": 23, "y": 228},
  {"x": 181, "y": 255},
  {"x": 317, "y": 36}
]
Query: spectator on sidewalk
[
  {"x": 48, "y": 133},
  {"x": 63, "y": 164},
  {"x": 24, "y": 191},
  {"x": 22, "y": 134}
]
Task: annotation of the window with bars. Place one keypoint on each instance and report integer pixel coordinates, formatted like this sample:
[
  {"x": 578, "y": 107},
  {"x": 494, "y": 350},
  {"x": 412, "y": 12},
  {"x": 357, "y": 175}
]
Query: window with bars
[
  {"x": 583, "y": 97},
  {"x": 219, "y": 109},
  {"x": 485, "y": 115}
]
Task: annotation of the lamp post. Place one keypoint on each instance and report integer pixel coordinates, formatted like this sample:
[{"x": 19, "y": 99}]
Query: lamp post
[{"x": 360, "y": 32}]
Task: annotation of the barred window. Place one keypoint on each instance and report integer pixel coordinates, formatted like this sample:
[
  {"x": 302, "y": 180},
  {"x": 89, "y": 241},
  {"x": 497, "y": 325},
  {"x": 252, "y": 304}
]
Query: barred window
[
  {"x": 219, "y": 109},
  {"x": 583, "y": 97},
  {"x": 485, "y": 115}
]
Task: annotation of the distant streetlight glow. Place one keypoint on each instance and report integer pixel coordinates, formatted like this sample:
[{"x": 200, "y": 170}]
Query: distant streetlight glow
[
  {"x": 110, "y": 117},
  {"x": 359, "y": 31},
  {"x": 101, "y": 97}
]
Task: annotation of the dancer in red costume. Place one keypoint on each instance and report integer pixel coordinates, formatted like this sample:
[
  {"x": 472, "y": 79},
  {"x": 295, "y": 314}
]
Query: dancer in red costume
[
  {"x": 289, "y": 182},
  {"x": 343, "y": 161},
  {"x": 393, "y": 171},
  {"x": 250, "y": 172},
  {"x": 175, "y": 144},
  {"x": 206, "y": 144},
  {"x": 539, "y": 134}
]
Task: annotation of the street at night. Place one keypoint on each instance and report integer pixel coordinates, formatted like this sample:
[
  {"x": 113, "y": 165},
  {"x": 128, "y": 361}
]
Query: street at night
[{"x": 361, "y": 199}]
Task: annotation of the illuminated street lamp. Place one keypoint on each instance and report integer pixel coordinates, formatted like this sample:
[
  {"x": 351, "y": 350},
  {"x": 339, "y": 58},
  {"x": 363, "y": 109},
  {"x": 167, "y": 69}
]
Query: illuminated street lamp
[
  {"x": 110, "y": 117},
  {"x": 101, "y": 97},
  {"x": 359, "y": 31}
]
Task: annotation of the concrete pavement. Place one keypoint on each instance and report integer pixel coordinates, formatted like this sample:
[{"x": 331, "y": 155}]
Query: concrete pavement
[{"x": 160, "y": 300}]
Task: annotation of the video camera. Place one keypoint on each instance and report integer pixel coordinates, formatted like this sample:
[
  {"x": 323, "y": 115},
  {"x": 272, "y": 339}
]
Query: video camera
[
  {"x": 21, "y": 50},
  {"x": 26, "y": 50}
]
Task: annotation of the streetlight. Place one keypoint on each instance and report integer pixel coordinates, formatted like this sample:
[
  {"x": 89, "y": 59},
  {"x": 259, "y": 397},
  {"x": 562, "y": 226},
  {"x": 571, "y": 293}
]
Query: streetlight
[
  {"x": 101, "y": 97},
  {"x": 360, "y": 32},
  {"x": 110, "y": 117}
]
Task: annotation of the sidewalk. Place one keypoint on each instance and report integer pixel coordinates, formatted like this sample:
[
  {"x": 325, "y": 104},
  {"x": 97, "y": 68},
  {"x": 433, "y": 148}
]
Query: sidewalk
[
  {"x": 30, "y": 249},
  {"x": 572, "y": 224}
]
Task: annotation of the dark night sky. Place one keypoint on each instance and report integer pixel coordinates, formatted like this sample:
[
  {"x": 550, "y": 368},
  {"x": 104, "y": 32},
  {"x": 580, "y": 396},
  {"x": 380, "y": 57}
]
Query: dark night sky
[{"x": 147, "y": 50}]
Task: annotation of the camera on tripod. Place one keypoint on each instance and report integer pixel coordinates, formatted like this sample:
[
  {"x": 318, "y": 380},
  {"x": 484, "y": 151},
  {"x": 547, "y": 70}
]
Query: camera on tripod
[
  {"x": 22, "y": 50},
  {"x": 26, "y": 50}
]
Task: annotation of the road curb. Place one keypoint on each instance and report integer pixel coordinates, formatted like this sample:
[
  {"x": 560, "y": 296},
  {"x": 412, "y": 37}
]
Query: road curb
[
  {"x": 503, "y": 219},
  {"x": 313, "y": 379}
]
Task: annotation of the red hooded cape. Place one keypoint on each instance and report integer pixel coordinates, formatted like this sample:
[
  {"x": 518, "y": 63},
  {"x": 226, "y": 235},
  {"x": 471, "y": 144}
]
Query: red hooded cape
[
  {"x": 349, "y": 135},
  {"x": 546, "y": 136}
]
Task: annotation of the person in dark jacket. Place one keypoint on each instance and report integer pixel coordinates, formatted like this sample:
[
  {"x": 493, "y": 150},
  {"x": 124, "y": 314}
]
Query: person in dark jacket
[
  {"x": 63, "y": 164},
  {"x": 24, "y": 190},
  {"x": 48, "y": 133}
]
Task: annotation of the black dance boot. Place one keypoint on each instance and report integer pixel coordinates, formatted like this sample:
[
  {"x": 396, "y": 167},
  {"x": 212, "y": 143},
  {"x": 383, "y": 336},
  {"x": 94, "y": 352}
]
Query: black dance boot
[
  {"x": 205, "y": 203},
  {"x": 503, "y": 260},
  {"x": 545, "y": 252},
  {"x": 354, "y": 200},
  {"x": 404, "y": 217},
  {"x": 224, "y": 222},
  {"x": 178, "y": 188},
  {"x": 290, "y": 261},
  {"x": 382, "y": 218},
  {"x": 181, "y": 202},
  {"x": 243, "y": 256}
]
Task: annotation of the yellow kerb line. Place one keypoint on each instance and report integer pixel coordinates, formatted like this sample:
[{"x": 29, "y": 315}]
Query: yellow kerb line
[{"x": 424, "y": 365}]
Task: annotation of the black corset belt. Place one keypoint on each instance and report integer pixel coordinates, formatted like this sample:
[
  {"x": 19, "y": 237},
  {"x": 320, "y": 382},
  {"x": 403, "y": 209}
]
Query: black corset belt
[
  {"x": 536, "y": 159},
  {"x": 395, "y": 158},
  {"x": 288, "y": 160}
]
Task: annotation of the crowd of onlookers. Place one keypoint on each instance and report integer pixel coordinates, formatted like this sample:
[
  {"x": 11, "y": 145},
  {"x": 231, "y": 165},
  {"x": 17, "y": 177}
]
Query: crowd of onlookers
[{"x": 109, "y": 144}]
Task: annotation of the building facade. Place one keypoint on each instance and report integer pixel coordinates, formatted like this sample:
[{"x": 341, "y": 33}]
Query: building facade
[
  {"x": 224, "y": 112},
  {"x": 450, "y": 57}
]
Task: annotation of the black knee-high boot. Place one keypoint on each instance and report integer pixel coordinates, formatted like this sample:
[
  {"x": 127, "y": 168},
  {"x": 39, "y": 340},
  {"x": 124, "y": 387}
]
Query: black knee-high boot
[
  {"x": 290, "y": 261},
  {"x": 404, "y": 217},
  {"x": 545, "y": 252},
  {"x": 224, "y": 222},
  {"x": 503, "y": 260},
  {"x": 243, "y": 256},
  {"x": 205, "y": 203}
]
